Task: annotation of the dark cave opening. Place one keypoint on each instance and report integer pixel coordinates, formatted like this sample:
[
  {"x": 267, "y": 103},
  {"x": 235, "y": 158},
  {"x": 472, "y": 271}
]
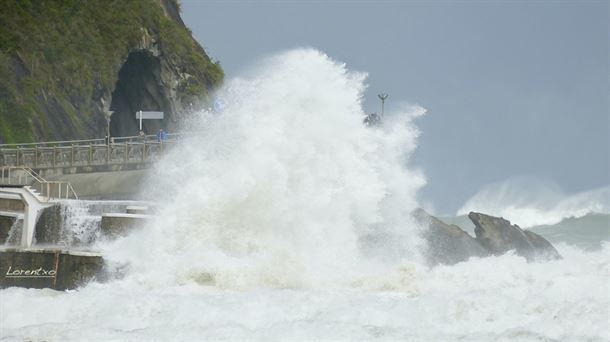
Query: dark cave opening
[{"x": 138, "y": 88}]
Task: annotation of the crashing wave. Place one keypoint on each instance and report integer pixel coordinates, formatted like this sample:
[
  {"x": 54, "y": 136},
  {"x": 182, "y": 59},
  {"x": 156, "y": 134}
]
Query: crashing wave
[{"x": 532, "y": 202}]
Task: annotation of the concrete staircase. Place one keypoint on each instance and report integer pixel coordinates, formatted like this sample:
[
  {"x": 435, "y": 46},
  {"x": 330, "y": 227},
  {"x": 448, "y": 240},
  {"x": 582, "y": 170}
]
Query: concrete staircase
[
  {"x": 19, "y": 199},
  {"x": 33, "y": 204}
]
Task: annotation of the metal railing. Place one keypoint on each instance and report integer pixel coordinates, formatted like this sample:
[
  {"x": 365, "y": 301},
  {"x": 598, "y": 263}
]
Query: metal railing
[
  {"x": 72, "y": 153},
  {"x": 49, "y": 190}
]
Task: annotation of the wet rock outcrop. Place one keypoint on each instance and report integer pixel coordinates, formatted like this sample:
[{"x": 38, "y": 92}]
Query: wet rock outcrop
[
  {"x": 448, "y": 244},
  {"x": 499, "y": 236}
]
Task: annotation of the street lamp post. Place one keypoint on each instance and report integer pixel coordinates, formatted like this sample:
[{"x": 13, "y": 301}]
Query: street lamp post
[
  {"x": 382, "y": 97},
  {"x": 108, "y": 115}
]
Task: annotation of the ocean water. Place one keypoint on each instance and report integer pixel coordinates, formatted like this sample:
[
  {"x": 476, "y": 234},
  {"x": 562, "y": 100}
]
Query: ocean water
[
  {"x": 533, "y": 202},
  {"x": 286, "y": 219}
]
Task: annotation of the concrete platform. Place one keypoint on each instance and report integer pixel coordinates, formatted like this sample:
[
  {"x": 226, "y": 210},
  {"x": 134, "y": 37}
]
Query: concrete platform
[
  {"x": 137, "y": 209},
  {"x": 113, "y": 184},
  {"x": 11, "y": 203},
  {"x": 117, "y": 224},
  {"x": 47, "y": 268}
]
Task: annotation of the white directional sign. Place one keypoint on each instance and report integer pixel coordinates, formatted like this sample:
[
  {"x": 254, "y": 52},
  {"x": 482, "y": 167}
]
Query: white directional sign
[
  {"x": 149, "y": 115},
  {"x": 146, "y": 115}
]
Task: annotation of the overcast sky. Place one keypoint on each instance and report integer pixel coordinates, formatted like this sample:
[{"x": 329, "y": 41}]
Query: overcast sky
[{"x": 512, "y": 88}]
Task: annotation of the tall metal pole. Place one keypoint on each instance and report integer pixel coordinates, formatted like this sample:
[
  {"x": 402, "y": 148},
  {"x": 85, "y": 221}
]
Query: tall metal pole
[
  {"x": 382, "y": 97},
  {"x": 108, "y": 115}
]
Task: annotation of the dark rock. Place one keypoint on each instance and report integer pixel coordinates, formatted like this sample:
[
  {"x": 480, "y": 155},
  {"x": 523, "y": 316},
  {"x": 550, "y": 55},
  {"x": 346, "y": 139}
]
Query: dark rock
[
  {"x": 499, "y": 236},
  {"x": 446, "y": 243},
  {"x": 543, "y": 247}
]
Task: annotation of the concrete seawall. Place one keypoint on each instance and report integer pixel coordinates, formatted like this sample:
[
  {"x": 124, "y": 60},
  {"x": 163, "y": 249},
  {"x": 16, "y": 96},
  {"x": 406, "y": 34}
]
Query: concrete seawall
[
  {"x": 48, "y": 268},
  {"x": 61, "y": 232},
  {"x": 125, "y": 184}
]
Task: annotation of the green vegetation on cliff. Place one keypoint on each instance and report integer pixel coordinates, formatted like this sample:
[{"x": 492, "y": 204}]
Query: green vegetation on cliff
[{"x": 59, "y": 58}]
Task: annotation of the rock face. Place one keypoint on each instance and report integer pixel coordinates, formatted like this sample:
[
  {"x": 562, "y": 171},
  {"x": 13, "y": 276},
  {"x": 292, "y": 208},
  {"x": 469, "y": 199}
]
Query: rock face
[
  {"x": 446, "y": 244},
  {"x": 64, "y": 64},
  {"x": 449, "y": 244},
  {"x": 499, "y": 236}
]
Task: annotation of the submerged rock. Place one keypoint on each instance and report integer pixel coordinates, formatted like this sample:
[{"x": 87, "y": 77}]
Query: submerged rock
[
  {"x": 499, "y": 236},
  {"x": 446, "y": 243}
]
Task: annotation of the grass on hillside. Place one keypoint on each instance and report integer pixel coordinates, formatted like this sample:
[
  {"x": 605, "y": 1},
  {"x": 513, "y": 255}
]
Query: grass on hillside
[{"x": 71, "y": 51}]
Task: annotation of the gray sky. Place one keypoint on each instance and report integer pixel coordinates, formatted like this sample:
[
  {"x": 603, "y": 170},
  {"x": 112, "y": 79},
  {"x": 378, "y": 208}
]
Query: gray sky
[{"x": 512, "y": 88}]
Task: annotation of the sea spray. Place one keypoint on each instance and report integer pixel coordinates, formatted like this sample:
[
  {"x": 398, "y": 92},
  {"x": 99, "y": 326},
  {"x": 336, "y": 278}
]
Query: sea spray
[
  {"x": 285, "y": 187},
  {"x": 78, "y": 226},
  {"x": 76, "y": 223},
  {"x": 14, "y": 233}
]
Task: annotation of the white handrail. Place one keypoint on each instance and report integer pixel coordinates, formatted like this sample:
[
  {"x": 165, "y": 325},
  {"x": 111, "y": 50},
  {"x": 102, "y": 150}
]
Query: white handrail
[{"x": 44, "y": 184}]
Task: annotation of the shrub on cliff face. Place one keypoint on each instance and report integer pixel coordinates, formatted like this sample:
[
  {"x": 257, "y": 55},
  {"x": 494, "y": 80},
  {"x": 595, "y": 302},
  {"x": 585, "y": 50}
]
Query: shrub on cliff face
[{"x": 57, "y": 58}]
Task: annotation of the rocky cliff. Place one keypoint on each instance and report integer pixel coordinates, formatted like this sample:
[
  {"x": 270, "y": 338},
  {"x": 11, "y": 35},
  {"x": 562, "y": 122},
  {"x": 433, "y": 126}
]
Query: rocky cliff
[{"x": 64, "y": 64}]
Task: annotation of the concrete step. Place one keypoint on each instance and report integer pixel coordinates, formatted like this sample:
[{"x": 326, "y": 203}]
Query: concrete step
[
  {"x": 33, "y": 190},
  {"x": 11, "y": 202},
  {"x": 119, "y": 224},
  {"x": 10, "y": 213},
  {"x": 137, "y": 209}
]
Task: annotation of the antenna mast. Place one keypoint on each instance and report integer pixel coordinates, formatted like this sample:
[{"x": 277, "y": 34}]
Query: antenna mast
[{"x": 382, "y": 97}]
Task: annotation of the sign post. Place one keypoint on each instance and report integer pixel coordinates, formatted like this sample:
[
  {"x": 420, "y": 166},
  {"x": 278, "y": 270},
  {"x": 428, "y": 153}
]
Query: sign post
[
  {"x": 148, "y": 115},
  {"x": 108, "y": 115}
]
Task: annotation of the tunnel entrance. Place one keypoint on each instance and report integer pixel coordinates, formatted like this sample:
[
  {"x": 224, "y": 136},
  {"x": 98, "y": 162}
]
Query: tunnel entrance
[{"x": 138, "y": 88}]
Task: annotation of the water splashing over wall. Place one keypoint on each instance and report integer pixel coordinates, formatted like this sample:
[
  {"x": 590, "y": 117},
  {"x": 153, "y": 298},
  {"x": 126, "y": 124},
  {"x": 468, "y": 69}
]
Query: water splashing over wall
[{"x": 286, "y": 186}]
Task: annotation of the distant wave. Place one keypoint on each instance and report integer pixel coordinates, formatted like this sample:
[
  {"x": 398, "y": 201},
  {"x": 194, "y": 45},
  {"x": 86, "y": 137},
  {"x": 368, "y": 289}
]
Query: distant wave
[{"x": 532, "y": 202}]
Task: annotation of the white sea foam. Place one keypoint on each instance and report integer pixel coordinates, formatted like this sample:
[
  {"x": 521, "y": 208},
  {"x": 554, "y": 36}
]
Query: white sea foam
[
  {"x": 497, "y": 298},
  {"x": 532, "y": 202}
]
